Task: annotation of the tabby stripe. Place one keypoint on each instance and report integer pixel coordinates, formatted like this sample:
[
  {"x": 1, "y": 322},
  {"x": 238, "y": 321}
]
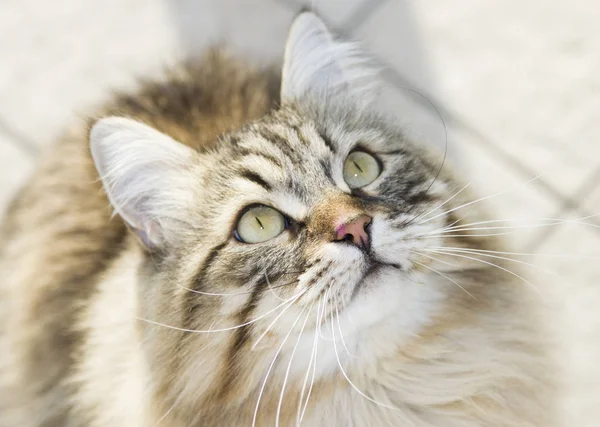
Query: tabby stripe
[
  {"x": 326, "y": 166},
  {"x": 255, "y": 178},
  {"x": 192, "y": 301},
  {"x": 241, "y": 337},
  {"x": 281, "y": 143},
  {"x": 328, "y": 143},
  {"x": 198, "y": 279},
  {"x": 245, "y": 152},
  {"x": 298, "y": 189},
  {"x": 301, "y": 136}
]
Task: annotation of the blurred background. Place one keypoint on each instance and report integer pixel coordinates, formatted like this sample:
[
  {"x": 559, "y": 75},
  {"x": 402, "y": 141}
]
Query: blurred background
[{"x": 516, "y": 82}]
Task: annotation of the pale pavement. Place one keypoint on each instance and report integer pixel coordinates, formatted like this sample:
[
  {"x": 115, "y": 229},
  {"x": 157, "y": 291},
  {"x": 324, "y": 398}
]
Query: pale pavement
[{"x": 517, "y": 83}]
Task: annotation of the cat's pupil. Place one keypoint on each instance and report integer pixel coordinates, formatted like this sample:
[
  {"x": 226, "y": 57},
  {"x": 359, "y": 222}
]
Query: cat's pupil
[{"x": 262, "y": 227}]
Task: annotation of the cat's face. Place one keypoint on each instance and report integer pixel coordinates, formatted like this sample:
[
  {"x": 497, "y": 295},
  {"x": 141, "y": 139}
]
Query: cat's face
[
  {"x": 311, "y": 210},
  {"x": 312, "y": 222}
]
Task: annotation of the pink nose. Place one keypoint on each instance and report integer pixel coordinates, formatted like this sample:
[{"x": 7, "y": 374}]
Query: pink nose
[{"x": 355, "y": 231}]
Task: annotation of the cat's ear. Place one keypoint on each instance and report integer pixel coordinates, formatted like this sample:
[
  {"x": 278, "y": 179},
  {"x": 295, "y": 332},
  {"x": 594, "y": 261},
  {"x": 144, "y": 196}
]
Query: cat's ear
[
  {"x": 145, "y": 174},
  {"x": 319, "y": 66}
]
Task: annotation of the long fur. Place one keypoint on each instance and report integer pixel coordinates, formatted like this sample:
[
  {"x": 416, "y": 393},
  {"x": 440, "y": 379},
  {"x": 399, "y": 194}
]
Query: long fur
[{"x": 98, "y": 328}]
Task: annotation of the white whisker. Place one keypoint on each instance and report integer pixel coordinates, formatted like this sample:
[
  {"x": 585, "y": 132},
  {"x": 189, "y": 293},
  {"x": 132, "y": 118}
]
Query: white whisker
[
  {"x": 446, "y": 277},
  {"x": 471, "y": 226},
  {"x": 475, "y": 252},
  {"x": 492, "y": 265},
  {"x": 325, "y": 302},
  {"x": 214, "y": 294},
  {"x": 170, "y": 410},
  {"x": 262, "y": 389},
  {"x": 476, "y": 201},
  {"x": 289, "y": 304},
  {"x": 525, "y": 253},
  {"x": 310, "y": 361},
  {"x": 314, "y": 364},
  {"x": 271, "y": 288},
  {"x": 435, "y": 259},
  {"x": 340, "y": 329},
  {"x": 441, "y": 205},
  {"x": 287, "y": 371},
  {"x": 197, "y": 331},
  {"x": 348, "y": 379},
  {"x": 451, "y": 236}
]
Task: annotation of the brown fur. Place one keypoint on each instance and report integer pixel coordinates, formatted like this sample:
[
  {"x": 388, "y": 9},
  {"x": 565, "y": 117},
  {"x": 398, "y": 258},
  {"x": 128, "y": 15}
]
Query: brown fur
[
  {"x": 62, "y": 251},
  {"x": 58, "y": 235}
]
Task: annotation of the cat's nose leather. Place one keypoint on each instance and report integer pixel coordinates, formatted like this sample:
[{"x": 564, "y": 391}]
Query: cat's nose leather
[{"x": 355, "y": 231}]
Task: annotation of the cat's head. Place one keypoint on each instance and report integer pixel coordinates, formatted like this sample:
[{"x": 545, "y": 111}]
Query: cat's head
[{"x": 319, "y": 215}]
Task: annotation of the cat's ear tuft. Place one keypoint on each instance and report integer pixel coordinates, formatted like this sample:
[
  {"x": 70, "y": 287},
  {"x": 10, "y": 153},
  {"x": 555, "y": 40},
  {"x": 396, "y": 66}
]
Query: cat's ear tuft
[
  {"x": 318, "y": 66},
  {"x": 145, "y": 174}
]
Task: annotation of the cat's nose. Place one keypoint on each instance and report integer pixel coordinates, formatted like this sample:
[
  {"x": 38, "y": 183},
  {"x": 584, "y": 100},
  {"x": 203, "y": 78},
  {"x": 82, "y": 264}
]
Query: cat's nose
[{"x": 354, "y": 230}]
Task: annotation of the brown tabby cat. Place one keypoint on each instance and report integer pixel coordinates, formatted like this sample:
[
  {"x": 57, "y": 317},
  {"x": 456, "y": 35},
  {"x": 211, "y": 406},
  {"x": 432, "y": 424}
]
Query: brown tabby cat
[{"x": 279, "y": 254}]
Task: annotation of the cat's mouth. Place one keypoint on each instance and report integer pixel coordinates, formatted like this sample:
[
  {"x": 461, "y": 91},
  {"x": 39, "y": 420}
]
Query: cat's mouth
[{"x": 374, "y": 267}]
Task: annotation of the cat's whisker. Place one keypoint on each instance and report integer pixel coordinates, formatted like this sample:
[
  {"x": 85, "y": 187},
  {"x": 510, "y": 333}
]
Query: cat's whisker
[
  {"x": 446, "y": 232},
  {"x": 435, "y": 259},
  {"x": 325, "y": 303},
  {"x": 310, "y": 361},
  {"x": 481, "y": 199},
  {"x": 266, "y": 331},
  {"x": 340, "y": 329},
  {"x": 450, "y": 236},
  {"x": 459, "y": 219},
  {"x": 445, "y": 276},
  {"x": 161, "y": 419},
  {"x": 560, "y": 220},
  {"x": 271, "y": 288},
  {"x": 524, "y": 253},
  {"x": 197, "y": 331},
  {"x": 308, "y": 369},
  {"x": 241, "y": 271},
  {"x": 515, "y": 227},
  {"x": 313, "y": 361},
  {"x": 343, "y": 371},
  {"x": 475, "y": 252},
  {"x": 492, "y": 265},
  {"x": 287, "y": 371},
  {"x": 262, "y": 388},
  {"x": 465, "y": 227},
  {"x": 215, "y": 294},
  {"x": 424, "y": 215}
]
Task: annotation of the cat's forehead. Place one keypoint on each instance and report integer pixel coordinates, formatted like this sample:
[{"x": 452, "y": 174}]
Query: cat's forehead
[
  {"x": 290, "y": 162},
  {"x": 287, "y": 165},
  {"x": 297, "y": 144}
]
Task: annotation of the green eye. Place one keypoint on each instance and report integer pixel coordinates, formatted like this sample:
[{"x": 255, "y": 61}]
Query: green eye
[
  {"x": 360, "y": 169},
  {"x": 259, "y": 224}
]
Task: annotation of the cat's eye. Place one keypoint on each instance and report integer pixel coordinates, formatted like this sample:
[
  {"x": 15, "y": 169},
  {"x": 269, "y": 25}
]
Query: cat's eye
[
  {"x": 259, "y": 224},
  {"x": 360, "y": 169}
]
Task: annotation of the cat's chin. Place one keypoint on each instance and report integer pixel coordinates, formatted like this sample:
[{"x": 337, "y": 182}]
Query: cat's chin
[
  {"x": 390, "y": 307},
  {"x": 370, "y": 277},
  {"x": 389, "y": 295}
]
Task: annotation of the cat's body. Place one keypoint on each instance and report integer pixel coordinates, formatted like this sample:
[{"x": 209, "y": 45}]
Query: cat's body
[{"x": 99, "y": 327}]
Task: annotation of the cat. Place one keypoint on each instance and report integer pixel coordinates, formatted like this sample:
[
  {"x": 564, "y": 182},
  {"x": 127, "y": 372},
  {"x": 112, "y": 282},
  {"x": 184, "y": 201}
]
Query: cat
[{"x": 238, "y": 245}]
